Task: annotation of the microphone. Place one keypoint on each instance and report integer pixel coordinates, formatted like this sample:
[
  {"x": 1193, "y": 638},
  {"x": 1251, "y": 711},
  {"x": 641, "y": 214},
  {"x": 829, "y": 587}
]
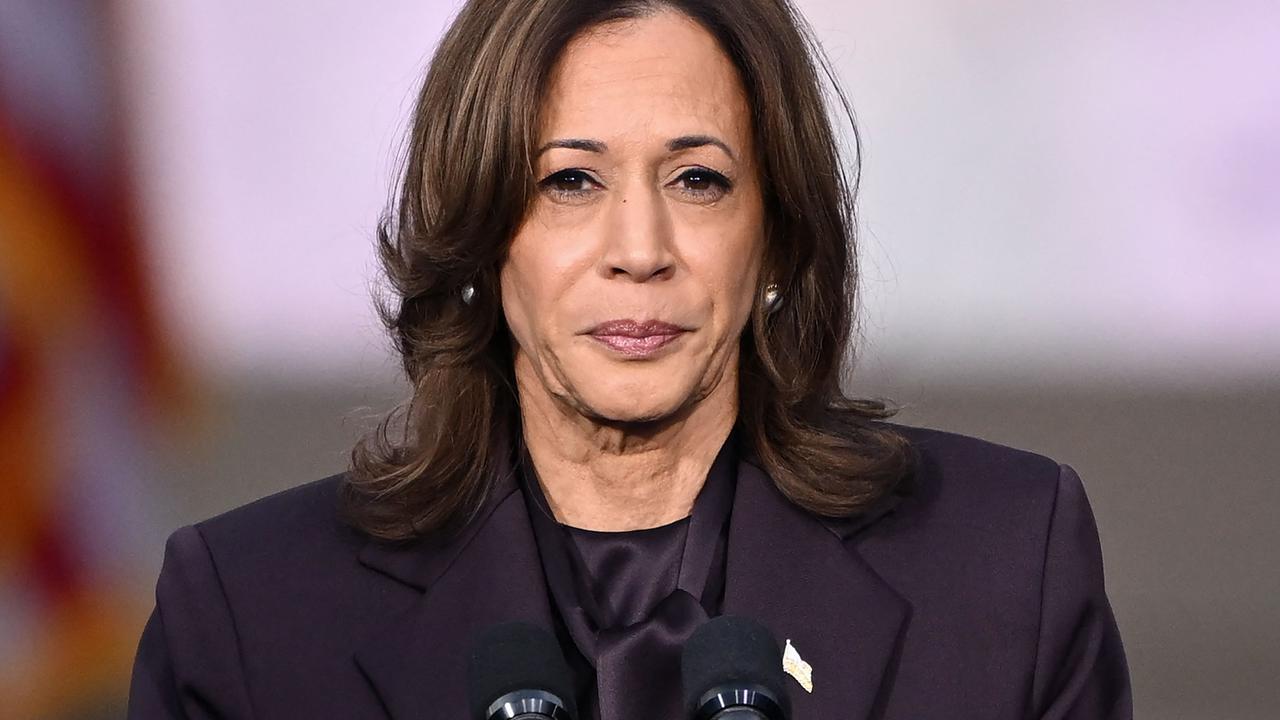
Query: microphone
[
  {"x": 517, "y": 672},
  {"x": 731, "y": 669}
]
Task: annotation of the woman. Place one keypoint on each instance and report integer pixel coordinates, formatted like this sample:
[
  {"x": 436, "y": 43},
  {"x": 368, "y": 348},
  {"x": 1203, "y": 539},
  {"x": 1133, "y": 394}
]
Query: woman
[{"x": 622, "y": 265}]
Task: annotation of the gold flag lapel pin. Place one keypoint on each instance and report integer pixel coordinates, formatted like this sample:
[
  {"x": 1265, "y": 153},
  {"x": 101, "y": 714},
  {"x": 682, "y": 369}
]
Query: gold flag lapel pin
[{"x": 796, "y": 667}]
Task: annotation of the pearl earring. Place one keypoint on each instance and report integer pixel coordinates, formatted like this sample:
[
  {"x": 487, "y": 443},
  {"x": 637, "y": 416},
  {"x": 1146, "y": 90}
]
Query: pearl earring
[
  {"x": 771, "y": 298},
  {"x": 468, "y": 293}
]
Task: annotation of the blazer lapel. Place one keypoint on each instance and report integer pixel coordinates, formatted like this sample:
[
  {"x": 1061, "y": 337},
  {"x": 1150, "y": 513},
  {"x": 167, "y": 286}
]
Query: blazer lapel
[
  {"x": 417, "y": 660},
  {"x": 797, "y": 575}
]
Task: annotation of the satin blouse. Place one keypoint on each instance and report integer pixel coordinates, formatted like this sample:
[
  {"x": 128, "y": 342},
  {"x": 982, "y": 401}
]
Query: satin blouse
[{"x": 625, "y": 602}]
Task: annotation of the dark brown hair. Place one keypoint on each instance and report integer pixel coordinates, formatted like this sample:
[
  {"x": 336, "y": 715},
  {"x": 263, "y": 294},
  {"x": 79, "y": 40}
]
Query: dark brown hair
[{"x": 466, "y": 183}]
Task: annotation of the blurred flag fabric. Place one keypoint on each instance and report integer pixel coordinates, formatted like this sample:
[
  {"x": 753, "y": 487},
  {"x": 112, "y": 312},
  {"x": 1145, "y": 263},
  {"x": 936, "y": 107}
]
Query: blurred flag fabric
[{"x": 85, "y": 373}]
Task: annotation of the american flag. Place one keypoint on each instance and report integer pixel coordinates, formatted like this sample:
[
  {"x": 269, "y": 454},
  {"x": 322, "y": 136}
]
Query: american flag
[{"x": 85, "y": 372}]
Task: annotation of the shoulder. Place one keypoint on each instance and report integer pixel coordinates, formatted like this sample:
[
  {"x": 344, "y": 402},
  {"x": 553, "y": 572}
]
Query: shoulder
[
  {"x": 997, "y": 551},
  {"x": 291, "y": 539},
  {"x": 300, "y": 520},
  {"x": 302, "y": 515},
  {"x": 978, "y": 518},
  {"x": 940, "y": 451},
  {"x": 247, "y": 583},
  {"x": 966, "y": 480},
  {"x": 973, "y": 514}
]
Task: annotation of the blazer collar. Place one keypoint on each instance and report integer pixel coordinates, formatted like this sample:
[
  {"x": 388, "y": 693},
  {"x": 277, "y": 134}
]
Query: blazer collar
[
  {"x": 798, "y": 575},
  {"x": 803, "y": 578},
  {"x": 417, "y": 659}
]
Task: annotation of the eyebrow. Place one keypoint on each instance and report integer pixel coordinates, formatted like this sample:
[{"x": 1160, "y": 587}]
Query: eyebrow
[
  {"x": 594, "y": 146},
  {"x": 684, "y": 142}
]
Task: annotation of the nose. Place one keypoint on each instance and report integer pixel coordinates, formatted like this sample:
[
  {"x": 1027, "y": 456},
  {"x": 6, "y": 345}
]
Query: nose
[{"x": 638, "y": 243}]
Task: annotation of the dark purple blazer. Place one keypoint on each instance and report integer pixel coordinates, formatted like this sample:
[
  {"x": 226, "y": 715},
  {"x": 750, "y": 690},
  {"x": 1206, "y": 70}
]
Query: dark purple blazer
[{"x": 979, "y": 595}]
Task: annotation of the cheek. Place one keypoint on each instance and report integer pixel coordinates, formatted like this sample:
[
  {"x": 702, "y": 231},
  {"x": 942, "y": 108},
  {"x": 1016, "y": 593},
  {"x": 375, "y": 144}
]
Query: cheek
[
  {"x": 519, "y": 297},
  {"x": 531, "y": 283},
  {"x": 730, "y": 263},
  {"x": 520, "y": 305},
  {"x": 513, "y": 305}
]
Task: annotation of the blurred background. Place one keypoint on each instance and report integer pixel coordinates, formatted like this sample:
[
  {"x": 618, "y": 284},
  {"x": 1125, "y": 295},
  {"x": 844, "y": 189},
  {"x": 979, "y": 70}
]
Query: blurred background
[{"x": 1070, "y": 218}]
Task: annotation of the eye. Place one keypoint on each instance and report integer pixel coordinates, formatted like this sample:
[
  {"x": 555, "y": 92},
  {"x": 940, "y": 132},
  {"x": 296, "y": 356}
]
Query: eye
[
  {"x": 705, "y": 184},
  {"x": 567, "y": 183}
]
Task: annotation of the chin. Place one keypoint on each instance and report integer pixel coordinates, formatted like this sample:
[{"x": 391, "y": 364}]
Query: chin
[{"x": 636, "y": 402}]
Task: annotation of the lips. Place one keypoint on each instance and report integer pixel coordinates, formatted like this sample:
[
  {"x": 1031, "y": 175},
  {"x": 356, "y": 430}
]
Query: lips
[{"x": 636, "y": 338}]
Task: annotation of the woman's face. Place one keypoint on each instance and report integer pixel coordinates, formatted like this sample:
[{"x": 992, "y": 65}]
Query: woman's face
[{"x": 630, "y": 281}]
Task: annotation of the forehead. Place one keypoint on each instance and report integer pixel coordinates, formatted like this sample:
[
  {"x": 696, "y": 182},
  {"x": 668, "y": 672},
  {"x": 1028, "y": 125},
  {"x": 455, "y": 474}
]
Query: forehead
[{"x": 658, "y": 75}]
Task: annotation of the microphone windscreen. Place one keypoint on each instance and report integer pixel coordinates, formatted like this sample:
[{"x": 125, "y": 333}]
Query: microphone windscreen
[
  {"x": 517, "y": 656},
  {"x": 731, "y": 650}
]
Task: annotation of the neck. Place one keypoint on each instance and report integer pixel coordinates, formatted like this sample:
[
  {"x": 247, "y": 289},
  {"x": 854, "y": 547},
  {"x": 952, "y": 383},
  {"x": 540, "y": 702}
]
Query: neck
[{"x": 616, "y": 477}]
